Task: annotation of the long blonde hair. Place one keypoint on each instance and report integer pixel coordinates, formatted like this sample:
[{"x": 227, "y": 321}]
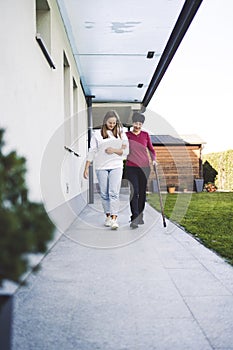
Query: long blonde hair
[{"x": 117, "y": 130}]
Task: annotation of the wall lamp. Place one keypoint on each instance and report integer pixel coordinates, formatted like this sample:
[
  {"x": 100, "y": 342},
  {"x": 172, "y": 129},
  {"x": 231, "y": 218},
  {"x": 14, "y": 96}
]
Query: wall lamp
[
  {"x": 71, "y": 151},
  {"x": 45, "y": 50}
]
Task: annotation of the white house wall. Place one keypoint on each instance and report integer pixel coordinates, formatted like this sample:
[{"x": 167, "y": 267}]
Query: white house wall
[{"x": 32, "y": 105}]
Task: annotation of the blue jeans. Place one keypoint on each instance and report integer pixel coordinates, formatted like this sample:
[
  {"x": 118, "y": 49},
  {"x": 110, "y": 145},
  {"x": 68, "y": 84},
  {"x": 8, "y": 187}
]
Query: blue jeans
[{"x": 110, "y": 184}]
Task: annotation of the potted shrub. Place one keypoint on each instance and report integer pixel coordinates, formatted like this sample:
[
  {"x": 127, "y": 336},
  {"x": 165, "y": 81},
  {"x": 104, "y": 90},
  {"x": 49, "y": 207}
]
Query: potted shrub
[
  {"x": 24, "y": 228},
  {"x": 171, "y": 188}
]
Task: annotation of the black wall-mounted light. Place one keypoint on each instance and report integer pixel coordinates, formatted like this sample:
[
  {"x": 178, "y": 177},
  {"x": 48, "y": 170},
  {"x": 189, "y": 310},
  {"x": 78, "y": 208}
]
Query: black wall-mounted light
[
  {"x": 45, "y": 50},
  {"x": 71, "y": 151}
]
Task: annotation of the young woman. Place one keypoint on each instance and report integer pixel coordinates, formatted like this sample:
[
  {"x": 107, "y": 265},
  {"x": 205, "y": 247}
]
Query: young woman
[
  {"x": 108, "y": 148},
  {"x": 138, "y": 167}
]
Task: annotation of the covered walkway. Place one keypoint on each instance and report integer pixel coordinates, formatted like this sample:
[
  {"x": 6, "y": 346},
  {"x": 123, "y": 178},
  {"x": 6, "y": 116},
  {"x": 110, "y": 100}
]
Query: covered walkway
[{"x": 150, "y": 288}]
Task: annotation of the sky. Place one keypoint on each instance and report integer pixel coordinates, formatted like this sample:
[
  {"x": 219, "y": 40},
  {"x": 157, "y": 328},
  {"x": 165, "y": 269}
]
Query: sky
[{"x": 195, "y": 95}]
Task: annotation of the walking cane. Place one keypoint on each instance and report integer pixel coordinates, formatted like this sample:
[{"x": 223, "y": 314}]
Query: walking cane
[{"x": 160, "y": 197}]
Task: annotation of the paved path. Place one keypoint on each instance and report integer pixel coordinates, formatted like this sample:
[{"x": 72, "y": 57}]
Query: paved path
[{"x": 150, "y": 288}]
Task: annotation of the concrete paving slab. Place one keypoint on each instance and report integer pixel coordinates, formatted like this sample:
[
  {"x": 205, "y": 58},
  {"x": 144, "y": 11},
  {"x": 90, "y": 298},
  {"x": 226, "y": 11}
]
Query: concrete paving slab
[
  {"x": 214, "y": 314},
  {"x": 150, "y": 288}
]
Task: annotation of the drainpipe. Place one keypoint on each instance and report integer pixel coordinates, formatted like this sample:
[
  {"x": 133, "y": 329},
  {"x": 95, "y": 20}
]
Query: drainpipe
[
  {"x": 201, "y": 163},
  {"x": 90, "y": 128}
]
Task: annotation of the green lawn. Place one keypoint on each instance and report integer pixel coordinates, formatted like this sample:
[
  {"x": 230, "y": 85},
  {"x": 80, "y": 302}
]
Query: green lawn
[{"x": 207, "y": 216}]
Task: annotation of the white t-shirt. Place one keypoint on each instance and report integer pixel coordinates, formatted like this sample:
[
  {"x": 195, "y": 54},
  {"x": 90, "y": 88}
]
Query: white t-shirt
[{"x": 97, "y": 153}]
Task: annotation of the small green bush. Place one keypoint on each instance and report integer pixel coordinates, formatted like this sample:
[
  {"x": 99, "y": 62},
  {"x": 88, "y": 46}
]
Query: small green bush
[{"x": 24, "y": 226}]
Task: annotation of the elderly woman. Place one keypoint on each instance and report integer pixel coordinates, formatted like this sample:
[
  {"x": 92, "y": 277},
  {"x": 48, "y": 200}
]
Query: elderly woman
[{"x": 138, "y": 167}]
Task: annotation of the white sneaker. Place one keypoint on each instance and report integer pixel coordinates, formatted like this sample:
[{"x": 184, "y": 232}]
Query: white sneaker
[
  {"x": 114, "y": 225},
  {"x": 108, "y": 221}
]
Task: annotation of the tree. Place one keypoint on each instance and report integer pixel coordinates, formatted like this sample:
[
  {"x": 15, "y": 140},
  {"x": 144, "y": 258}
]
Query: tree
[
  {"x": 24, "y": 226},
  {"x": 209, "y": 173}
]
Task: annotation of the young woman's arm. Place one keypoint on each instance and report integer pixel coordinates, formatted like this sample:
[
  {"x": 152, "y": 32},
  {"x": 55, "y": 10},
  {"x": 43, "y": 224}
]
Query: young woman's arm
[
  {"x": 124, "y": 150},
  {"x": 91, "y": 155},
  {"x": 118, "y": 151},
  {"x": 86, "y": 169},
  {"x": 125, "y": 144}
]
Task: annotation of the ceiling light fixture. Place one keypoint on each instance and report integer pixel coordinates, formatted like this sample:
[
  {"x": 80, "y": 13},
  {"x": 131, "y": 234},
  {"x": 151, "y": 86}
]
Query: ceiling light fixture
[{"x": 150, "y": 54}]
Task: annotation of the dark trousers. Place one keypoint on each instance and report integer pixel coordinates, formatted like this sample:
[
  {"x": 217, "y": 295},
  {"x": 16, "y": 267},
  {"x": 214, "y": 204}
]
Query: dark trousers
[{"x": 137, "y": 178}]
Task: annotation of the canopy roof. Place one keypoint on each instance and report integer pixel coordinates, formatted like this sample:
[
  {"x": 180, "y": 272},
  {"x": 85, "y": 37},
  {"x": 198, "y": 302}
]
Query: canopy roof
[{"x": 123, "y": 48}]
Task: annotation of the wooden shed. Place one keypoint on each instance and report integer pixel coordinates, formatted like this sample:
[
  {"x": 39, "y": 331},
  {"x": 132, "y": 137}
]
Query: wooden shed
[{"x": 179, "y": 161}]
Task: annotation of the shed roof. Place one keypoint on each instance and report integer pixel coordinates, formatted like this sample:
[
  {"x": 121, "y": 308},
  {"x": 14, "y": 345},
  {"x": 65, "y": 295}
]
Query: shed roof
[{"x": 163, "y": 140}]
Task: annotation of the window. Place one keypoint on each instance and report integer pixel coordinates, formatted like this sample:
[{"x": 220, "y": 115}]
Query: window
[
  {"x": 43, "y": 22},
  {"x": 43, "y": 29},
  {"x": 75, "y": 111},
  {"x": 67, "y": 93}
]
